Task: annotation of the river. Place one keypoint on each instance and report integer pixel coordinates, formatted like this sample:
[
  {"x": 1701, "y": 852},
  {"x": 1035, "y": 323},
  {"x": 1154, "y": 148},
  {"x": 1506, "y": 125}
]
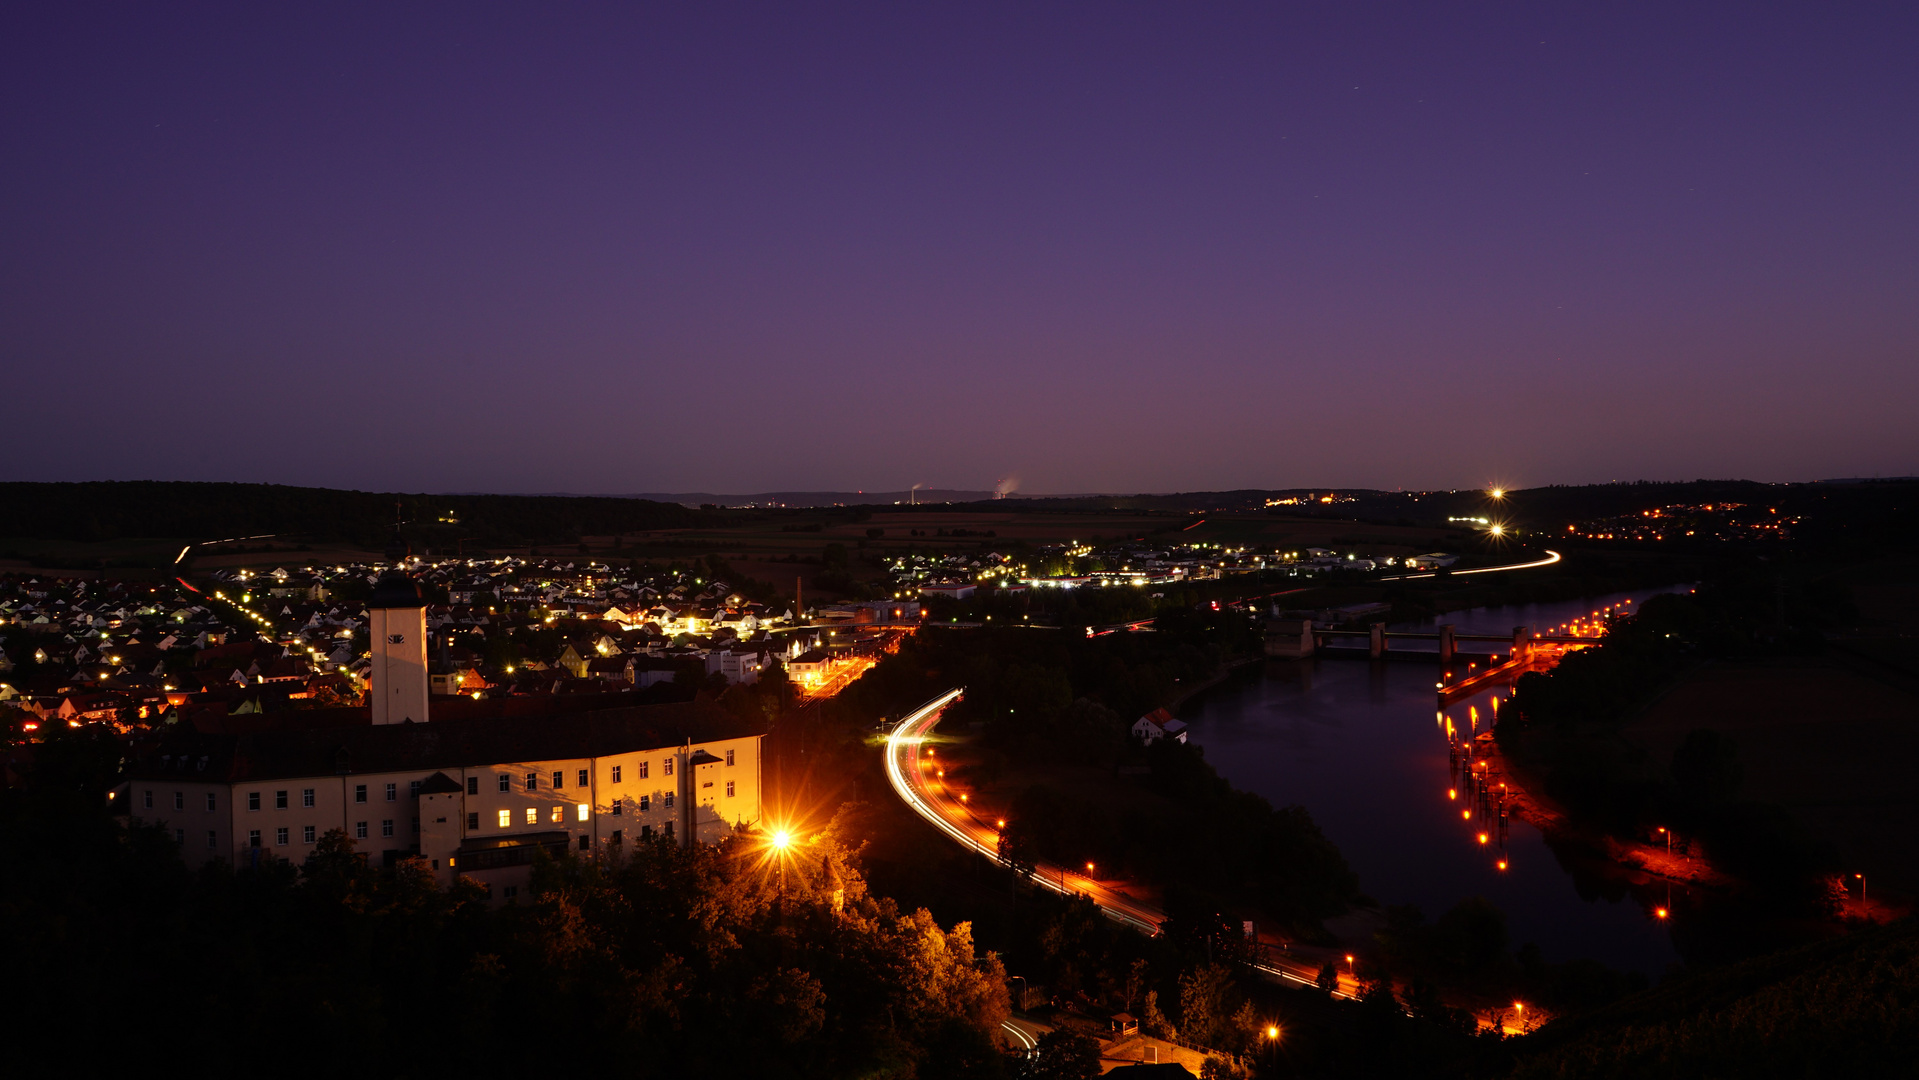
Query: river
[{"x": 1359, "y": 745}]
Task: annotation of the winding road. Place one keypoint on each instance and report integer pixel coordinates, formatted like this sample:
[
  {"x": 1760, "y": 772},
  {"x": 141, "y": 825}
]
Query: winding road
[{"x": 914, "y": 773}]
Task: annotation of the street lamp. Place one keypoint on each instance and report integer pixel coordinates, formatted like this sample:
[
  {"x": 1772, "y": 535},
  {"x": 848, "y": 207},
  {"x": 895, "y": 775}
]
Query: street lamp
[
  {"x": 1668, "y": 836},
  {"x": 1862, "y": 887}
]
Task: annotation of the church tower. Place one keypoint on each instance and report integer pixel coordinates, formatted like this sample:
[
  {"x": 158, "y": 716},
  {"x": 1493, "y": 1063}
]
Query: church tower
[{"x": 397, "y": 627}]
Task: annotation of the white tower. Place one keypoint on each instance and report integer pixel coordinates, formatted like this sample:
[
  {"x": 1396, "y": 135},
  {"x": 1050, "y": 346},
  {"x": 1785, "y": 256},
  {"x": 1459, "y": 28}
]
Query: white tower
[{"x": 397, "y": 626}]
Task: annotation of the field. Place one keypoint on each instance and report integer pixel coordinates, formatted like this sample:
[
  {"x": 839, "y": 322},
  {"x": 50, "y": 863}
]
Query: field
[{"x": 1832, "y": 741}]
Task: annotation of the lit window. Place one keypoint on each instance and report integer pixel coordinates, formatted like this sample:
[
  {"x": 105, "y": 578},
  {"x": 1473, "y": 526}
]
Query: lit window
[
  {"x": 506, "y": 818},
  {"x": 306, "y": 834},
  {"x": 616, "y": 779},
  {"x": 253, "y": 801},
  {"x": 532, "y": 815},
  {"x": 279, "y": 838},
  {"x": 359, "y": 830},
  {"x": 585, "y": 811},
  {"x": 386, "y": 827},
  {"x": 558, "y": 815},
  {"x": 306, "y": 796}
]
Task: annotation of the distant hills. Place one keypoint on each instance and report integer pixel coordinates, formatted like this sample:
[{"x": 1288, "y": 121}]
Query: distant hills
[{"x": 817, "y": 498}]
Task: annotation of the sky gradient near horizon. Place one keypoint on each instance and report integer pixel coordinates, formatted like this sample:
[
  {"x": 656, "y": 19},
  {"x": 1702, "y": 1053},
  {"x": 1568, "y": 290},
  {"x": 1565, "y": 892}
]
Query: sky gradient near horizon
[{"x": 1094, "y": 247}]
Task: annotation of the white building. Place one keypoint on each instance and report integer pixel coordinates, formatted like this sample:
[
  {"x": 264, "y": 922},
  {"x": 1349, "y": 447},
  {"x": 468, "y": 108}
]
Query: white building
[{"x": 1159, "y": 724}]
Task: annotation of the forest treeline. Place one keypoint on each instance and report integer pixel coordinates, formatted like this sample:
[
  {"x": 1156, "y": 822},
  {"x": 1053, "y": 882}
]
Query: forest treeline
[{"x": 112, "y": 510}]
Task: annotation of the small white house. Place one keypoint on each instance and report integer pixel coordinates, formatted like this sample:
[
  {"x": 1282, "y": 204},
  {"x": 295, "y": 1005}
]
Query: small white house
[{"x": 1159, "y": 724}]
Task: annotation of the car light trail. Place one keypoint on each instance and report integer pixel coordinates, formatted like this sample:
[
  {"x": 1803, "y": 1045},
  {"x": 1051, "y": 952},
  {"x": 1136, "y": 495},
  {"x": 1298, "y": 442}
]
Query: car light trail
[
  {"x": 1551, "y": 558},
  {"x": 902, "y": 771}
]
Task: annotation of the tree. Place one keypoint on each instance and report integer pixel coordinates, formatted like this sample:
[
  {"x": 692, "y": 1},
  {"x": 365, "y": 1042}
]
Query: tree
[
  {"x": 1328, "y": 979},
  {"x": 1207, "y": 1000},
  {"x": 1016, "y": 849},
  {"x": 1061, "y": 1055}
]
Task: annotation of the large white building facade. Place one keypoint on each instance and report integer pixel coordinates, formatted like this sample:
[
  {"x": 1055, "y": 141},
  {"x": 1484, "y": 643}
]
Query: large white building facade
[{"x": 470, "y": 797}]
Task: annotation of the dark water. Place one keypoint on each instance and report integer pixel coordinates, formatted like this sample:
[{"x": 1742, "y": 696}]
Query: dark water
[{"x": 1360, "y": 746}]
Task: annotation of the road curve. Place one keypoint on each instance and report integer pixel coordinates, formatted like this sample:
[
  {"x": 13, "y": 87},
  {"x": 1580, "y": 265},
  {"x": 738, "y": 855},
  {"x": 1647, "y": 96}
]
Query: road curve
[
  {"x": 1551, "y": 558},
  {"x": 915, "y": 779}
]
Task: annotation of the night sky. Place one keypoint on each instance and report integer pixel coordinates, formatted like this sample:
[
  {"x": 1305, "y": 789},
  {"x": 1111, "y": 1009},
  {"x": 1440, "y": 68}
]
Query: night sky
[{"x": 1106, "y": 247}]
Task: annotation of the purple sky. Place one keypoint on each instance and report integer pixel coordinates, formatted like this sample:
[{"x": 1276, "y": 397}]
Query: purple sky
[{"x": 1103, "y": 247}]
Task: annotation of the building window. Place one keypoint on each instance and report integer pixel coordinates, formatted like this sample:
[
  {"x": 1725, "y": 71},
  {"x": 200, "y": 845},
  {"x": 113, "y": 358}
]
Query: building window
[
  {"x": 667, "y": 800},
  {"x": 669, "y": 830},
  {"x": 583, "y": 778},
  {"x": 416, "y": 826},
  {"x": 558, "y": 815},
  {"x": 179, "y": 800},
  {"x": 473, "y": 821},
  {"x": 279, "y": 800},
  {"x": 585, "y": 842},
  {"x": 559, "y": 779},
  {"x": 532, "y": 815},
  {"x": 585, "y": 812},
  {"x": 211, "y": 805},
  {"x": 253, "y": 801},
  {"x": 646, "y": 832},
  {"x": 644, "y": 766},
  {"x": 306, "y": 796},
  {"x": 149, "y": 799},
  {"x": 392, "y": 792},
  {"x": 729, "y": 757},
  {"x": 616, "y": 779},
  {"x": 280, "y": 837},
  {"x": 616, "y": 808},
  {"x": 472, "y": 785},
  {"x": 617, "y": 837},
  {"x": 306, "y": 834},
  {"x": 180, "y": 836},
  {"x": 646, "y": 803},
  {"x": 729, "y": 789},
  {"x": 413, "y": 789},
  {"x": 506, "y": 782},
  {"x": 511, "y": 891},
  {"x": 253, "y": 838},
  {"x": 359, "y": 793},
  {"x": 386, "y": 827},
  {"x": 359, "y": 830},
  {"x": 667, "y": 768},
  {"x": 213, "y": 839},
  {"x": 532, "y": 781},
  {"x": 506, "y": 819}
]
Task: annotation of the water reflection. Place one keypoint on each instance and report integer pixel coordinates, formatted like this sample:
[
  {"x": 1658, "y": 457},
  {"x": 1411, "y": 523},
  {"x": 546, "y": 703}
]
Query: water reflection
[{"x": 1349, "y": 739}]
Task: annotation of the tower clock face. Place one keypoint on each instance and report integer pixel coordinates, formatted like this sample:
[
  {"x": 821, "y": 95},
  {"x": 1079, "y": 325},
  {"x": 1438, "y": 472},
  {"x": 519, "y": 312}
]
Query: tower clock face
[{"x": 396, "y": 639}]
